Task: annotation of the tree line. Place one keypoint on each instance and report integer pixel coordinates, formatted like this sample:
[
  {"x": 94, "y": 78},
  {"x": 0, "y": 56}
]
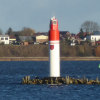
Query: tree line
[
  {"x": 87, "y": 27},
  {"x": 24, "y": 32}
]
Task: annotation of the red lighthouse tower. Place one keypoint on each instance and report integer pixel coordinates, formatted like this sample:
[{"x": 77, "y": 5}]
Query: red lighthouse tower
[{"x": 54, "y": 56}]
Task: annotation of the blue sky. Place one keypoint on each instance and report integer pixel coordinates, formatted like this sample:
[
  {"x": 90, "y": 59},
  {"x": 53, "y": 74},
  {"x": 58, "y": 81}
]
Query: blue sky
[{"x": 36, "y": 14}]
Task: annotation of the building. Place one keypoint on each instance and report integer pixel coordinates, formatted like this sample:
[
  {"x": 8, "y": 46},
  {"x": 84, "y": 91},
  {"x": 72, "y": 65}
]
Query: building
[
  {"x": 12, "y": 39},
  {"x": 93, "y": 38},
  {"x": 4, "y": 39},
  {"x": 25, "y": 43},
  {"x": 41, "y": 38},
  {"x": 64, "y": 35}
]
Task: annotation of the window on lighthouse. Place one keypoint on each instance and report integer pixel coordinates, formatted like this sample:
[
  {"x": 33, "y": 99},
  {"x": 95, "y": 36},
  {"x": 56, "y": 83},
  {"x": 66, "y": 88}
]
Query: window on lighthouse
[{"x": 54, "y": 22}]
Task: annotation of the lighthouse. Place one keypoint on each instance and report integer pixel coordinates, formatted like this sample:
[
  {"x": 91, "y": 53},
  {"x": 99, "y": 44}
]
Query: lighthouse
[{"x": 54, "y": 49}]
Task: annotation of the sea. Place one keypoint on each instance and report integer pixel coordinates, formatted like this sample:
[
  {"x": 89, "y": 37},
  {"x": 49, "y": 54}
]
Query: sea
[{"x": 11, "y": 74}]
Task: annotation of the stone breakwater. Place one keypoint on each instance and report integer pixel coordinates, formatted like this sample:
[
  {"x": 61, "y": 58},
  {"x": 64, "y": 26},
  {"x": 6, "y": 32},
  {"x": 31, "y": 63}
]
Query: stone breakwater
[{"x": 59, "y": 80}]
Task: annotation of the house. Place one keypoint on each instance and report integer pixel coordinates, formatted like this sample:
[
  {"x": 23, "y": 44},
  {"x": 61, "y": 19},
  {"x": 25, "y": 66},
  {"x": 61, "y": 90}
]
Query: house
[
  {"x": 41, "y": 38},
  {"x": 25, "y": 43},
  {"x": 4, "y": 39},
  {"x": 64, "y": 35},
  {"x": 95, "y": 37},
  {"x": 12, "y": 39}
]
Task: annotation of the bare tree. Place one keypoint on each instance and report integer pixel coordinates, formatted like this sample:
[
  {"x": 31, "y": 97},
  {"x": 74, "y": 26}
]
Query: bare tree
[
  {"x": 27, "y": 31},
  {"x": 90, "y": 26}
]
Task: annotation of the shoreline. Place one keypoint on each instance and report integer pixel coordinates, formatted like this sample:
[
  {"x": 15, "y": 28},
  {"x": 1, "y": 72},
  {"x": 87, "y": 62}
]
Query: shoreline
[{"x": 47, "y": 58}]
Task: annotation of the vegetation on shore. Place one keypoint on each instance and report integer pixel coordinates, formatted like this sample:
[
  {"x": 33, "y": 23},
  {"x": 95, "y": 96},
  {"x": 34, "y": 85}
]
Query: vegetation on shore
[{"x": 41, "y": 50}]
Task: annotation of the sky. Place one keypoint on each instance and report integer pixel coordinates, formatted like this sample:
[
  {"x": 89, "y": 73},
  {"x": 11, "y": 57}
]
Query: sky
[{"x": 36, "y": 14}]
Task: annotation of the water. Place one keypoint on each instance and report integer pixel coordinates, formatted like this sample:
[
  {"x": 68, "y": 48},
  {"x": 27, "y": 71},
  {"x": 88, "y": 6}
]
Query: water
[{"x": 11, "y": 74}]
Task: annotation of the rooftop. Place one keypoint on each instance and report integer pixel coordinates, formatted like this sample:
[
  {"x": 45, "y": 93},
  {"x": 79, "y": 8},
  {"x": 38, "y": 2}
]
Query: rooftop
[{"x": 4, "y": 36}]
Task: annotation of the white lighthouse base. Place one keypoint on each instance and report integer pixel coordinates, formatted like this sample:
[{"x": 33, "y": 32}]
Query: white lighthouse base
[{"x": 54, "y": 59}]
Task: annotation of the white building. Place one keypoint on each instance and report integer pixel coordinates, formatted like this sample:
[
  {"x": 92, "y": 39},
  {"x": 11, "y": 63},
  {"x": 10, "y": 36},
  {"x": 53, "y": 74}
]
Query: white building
[
  {"x": 12, "y": 39},
  {"x": 93, "y": 38},
  {"x": 4, "y": 39},
  {"x": 41, "y": 38}
]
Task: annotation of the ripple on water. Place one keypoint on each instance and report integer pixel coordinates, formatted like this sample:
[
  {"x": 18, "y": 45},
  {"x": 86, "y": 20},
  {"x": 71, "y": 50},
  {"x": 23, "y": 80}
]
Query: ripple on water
[{"x": 11, "y": 74}]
